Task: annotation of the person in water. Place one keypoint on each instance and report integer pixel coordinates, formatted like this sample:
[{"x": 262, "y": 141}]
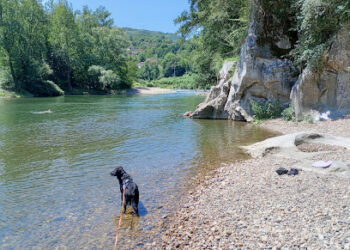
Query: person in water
[
  {"x": 43, "y": 112},
  {"x": 46, "y": 112}
]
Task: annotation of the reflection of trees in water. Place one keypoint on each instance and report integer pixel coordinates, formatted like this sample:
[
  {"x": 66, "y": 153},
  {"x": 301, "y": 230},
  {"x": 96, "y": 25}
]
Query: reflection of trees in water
[{"x": 218, "y": 142}]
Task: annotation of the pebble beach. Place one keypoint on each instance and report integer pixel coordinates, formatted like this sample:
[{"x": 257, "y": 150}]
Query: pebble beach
[{"x": 247, "y": 205}]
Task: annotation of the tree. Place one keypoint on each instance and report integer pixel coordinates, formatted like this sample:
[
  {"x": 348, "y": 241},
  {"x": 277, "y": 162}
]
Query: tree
[
  {"x": 104, "y": 79},
  {"x": 110, "y": 49},
  {"x": 218, "y": 28},
  {"x": 103, "y": 17},
  {"x": 150, "y": 71},
  {"x": 173, "y": 65},
  {"x": 63, "y": 40},
  {"x": 22, "y": 38}
]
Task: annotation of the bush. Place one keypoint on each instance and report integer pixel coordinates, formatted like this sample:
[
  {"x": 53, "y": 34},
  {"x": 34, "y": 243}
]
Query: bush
[
  {"x": 187, "y": 81},
  {"x": 104, "y": 79},
  {"x": 6, "y": 80},
  {"x": 318, "y": 22},
  {"x": 308, "y": 119},
  {"x": 269, "y": 110},
  {"x": 44, "y": 88},
  {"x": 289, "y": 114}
]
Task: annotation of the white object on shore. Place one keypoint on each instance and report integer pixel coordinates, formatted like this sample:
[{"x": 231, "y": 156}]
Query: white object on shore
[{"x": 322, "y": 164}]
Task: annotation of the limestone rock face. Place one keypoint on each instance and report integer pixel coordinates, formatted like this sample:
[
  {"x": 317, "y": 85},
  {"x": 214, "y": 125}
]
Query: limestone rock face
[
  {"x": 326, "y": 94},
  {"x": 213, "y": 106},
  {"x": 260, "y": 75}
]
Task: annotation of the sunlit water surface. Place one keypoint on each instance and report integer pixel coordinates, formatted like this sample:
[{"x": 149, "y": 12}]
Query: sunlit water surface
[{"x": 55, "y": 187}]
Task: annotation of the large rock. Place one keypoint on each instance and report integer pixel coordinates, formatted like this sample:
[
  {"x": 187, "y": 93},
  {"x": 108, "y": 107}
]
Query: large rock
[
  {"x": 325, "y": 93},
  {"x": 260, "y": 75},
  {"x": 213, "y": 106},
  {"x": 286, "y": 147}
]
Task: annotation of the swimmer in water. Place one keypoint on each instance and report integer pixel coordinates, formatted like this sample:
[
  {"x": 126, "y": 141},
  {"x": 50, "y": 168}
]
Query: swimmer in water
[{"x": 43, "y": 112}]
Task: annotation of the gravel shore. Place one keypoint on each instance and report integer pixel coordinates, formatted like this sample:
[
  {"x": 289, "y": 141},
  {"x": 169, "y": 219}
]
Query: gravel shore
[
  {"x": 247, "y": 205},
  {"x": 339, "y": 127}
]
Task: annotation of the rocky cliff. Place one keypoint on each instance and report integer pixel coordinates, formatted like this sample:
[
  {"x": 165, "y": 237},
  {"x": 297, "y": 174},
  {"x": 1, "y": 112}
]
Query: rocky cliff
[
  {"x": 214, "y": 105},
  {"x": 325, "y": 92},
  {"x": 260, "y": 75}
]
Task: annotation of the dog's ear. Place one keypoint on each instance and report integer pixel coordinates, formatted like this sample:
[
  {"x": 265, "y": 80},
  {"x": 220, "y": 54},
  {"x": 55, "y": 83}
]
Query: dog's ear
[
  {"x": 120, "y": 169},
  {"x": 117, "y": 171}
]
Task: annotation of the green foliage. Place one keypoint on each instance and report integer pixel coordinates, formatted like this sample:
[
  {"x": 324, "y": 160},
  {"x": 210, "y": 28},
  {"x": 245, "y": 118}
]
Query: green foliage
[
  {"x": 187, "y": 81},
  {"x": 6, "y": 80},
  {"x": 133, "y": 70},
  {"x": 308, "y": 119},
  {"x": 219, "y": 28},
  {"x": 317, "y": 22},
  {"x": 45, "y": 88},
  {"x": 22, "y": 40},
  {"x": 151, "y": 44},
  {"x": 104, "y": 79},
  {"x": 173, "y": 65},
  {"x": 150, "y": 71},
  {"x": 288, "y": 114},
  {"x": 54, "y": 43},
  {"x": 268, "y": 110}
]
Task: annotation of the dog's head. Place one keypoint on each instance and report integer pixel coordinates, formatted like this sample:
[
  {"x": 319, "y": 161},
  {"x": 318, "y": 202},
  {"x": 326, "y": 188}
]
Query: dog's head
[{"x": 118, "y": 171}]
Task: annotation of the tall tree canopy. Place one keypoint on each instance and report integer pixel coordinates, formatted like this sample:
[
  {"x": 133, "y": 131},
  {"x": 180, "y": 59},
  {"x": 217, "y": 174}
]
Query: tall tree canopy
[{"x": 44, "y": 49}]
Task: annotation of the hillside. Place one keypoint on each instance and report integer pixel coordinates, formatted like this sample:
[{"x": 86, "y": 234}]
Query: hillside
[
  {"x": 134, "y": 33},
  {"x": 150, "y": 44}
]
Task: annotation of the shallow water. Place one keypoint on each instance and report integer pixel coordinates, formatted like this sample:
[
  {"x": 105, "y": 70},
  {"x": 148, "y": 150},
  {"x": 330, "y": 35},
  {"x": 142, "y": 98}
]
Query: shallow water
[{"x": 55, "y": 188}]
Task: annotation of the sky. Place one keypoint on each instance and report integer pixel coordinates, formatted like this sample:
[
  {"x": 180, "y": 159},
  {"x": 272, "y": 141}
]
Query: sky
[{"x": 156, "y": 15}]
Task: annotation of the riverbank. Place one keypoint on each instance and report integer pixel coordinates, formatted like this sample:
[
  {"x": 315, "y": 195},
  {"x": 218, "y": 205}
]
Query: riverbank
[
  {"x": 148, "y": 91},
  {"x": 12, "y": 94},
  {"x": 338, "y": 127},
  {"x": 131, "y": 91},
  {"x": 247, "y": 205}
]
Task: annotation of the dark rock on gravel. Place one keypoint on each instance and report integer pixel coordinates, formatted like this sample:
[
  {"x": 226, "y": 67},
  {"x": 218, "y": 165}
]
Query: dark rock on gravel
[
  {"x": 293, "y": 171},
  {"x": 281, "y": 171}
]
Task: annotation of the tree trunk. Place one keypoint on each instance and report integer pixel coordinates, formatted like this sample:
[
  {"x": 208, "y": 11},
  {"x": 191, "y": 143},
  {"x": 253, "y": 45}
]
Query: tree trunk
[
  {"x": 15, "y": 80},
  {"x": 69, "y": 77}
]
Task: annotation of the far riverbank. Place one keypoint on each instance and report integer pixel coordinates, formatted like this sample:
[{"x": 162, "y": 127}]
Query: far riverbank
[{"x": 132, "y": 91}]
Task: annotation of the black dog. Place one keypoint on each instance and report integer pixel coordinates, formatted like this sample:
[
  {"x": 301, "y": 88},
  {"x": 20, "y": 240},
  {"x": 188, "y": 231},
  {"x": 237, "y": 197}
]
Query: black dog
[{"x": 131, "y": 189}]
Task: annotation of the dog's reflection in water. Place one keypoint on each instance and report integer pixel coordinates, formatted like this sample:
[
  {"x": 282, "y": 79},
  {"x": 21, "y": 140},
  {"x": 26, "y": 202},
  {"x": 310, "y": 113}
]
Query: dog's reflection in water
[{"x": 130, "y": 222}]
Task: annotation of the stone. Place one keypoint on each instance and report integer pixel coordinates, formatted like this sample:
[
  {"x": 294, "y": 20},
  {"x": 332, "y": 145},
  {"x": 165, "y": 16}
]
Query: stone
[
  {"x": 213, "y": 106},
  {"x": 260, "y": 75},
  {"x": 325, "y": 94},
  {"x": 281, "y": 171},
  {"x": 293, "y": 171},
  {"x": 284, "y": 147},
  {"x": 188, "y": 114}
]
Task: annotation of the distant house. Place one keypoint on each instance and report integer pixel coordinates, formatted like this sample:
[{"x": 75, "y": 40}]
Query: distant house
[
  {"x": 152, "y": 59},
  {"x": 140, "y": 65}
]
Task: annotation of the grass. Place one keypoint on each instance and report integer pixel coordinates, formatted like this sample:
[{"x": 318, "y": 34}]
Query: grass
[
  {"x": 232, "y": 59},
  {"x": 188, "y": 81},
  {"x": 7, "y": 93}
]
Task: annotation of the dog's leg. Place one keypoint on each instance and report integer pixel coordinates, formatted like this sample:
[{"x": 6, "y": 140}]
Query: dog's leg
[
  {"x": 124, "y": 207},
  {"x": 134, "y": 206}
]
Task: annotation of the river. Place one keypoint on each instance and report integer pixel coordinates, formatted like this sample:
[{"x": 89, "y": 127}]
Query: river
[{"x": 55, "y": 187}]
